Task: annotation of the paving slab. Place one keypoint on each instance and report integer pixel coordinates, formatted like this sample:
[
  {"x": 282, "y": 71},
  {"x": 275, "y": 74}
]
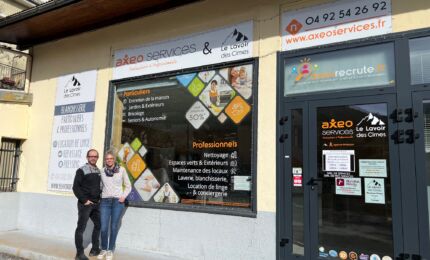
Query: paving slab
[{"x": 17, "y": 245}]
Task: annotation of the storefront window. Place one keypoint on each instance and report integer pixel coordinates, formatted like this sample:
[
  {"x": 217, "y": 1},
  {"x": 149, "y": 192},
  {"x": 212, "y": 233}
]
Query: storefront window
[
  {"x": 187, "y": 138},
  {"x": 420, "y": 60},
  {"x": 345, "y": 69}
]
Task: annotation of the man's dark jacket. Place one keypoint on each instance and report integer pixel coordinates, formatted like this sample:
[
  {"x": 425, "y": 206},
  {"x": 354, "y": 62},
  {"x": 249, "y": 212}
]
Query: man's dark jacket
[{"x": 86, "y": 185}]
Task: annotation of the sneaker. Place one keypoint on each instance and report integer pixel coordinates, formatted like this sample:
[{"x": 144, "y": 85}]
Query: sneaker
[
  {"x": 109, "y": 255},
  {"x": 102, "y": 255},
  {"x": 94, "y": 251},
  {"x": 81, "y": 256}
]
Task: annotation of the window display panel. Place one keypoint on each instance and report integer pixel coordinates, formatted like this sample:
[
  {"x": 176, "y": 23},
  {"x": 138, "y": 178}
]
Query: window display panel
[{"x": 187, "y": 138}]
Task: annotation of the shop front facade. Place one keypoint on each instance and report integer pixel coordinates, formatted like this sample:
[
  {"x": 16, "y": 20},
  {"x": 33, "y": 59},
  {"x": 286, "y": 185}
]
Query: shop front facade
[{"x": 249, "y": 130}]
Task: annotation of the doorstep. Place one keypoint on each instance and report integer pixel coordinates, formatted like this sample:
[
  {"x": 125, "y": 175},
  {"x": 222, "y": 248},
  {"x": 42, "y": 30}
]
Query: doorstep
[{"x": 31, "y": 246}]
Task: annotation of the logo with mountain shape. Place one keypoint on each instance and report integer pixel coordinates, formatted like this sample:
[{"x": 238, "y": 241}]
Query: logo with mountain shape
[
  {"x": 374, "y": 120},
  {"x": 72, "y": 88},
  {"x": 371, "y": 126},
  {"x": 235, "y": 37}
]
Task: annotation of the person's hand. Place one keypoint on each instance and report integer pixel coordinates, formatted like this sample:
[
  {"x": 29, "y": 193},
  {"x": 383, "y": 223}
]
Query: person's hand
[
  {"x": 89, "y": 202},
  {"x": 121, "y": 200}
]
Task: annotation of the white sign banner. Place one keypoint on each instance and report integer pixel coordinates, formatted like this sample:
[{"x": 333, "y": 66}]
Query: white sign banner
[
  {"x": 242, "y": 183},
  {"x": 338, "y": 160},
  {"x": 374, "y": 190},
  {"x": 348, "y": 186},
  {"x": 72, "y": 128},
  {"x": 336, "y": 22},
  {"x": 221, "y": 45},
  {"x": 373, "y": 167}
]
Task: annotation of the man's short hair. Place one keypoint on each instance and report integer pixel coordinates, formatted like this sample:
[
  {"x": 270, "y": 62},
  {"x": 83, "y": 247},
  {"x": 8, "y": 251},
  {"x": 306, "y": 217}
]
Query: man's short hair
[{"x": 88, "y": 153}]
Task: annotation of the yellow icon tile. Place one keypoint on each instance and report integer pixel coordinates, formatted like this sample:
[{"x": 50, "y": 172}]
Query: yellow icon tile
[
  {"x": 237, "y": 109},
  {"x": 136, "y": 166}
]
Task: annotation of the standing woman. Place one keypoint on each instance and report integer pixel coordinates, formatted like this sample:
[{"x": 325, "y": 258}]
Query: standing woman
[{"x": 116, "y": 187}]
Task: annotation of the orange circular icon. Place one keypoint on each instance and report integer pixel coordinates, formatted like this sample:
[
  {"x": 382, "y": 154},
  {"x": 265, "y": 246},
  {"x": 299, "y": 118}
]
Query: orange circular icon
[{"x": 343, "y": 255}]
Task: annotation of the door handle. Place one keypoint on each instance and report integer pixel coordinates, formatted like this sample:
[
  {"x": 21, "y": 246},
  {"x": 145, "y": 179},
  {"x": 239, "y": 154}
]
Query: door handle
[
  {"x": 397, "y": 115},
  {"x": 412, "y": 136},
  {"x": 313, "y": 182},
  {"x": 283, "y": 138},
  {"x": 284, "y": 242},
  {"x": 398, "y": 136},
  {"x": 411, "y": 114},
  {"x": 283, "y": 120}
]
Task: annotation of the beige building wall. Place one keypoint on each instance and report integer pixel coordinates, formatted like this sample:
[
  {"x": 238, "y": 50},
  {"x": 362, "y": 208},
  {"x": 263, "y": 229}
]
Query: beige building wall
[
  {"x": 94, "y": 50},
  {"x": 14, "y": 117},
  {"x": 9, "y": 7},
  {"x": 14, "y": 121}
]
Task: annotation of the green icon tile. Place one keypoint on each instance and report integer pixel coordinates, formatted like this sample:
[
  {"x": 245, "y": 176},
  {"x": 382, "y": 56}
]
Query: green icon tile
[
  {"x": 196, "y": 87},
  {"x": 136, "y": 144}
]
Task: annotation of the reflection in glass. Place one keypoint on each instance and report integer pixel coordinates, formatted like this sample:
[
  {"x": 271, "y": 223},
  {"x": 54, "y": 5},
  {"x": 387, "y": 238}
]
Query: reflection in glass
[
  {"x": 420, "y": 60},
  {"x": 187, "y": 138},
  {"x": 344, "y": 69},
  {"x": 354, "y": 140},
  {"x": 297, "y": 186},
  {"x": 426, "y": 108}
]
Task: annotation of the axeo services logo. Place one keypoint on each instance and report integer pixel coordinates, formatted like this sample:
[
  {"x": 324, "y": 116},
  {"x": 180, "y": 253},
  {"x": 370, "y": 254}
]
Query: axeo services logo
[
  {"x": 336, "y": 127},
  {"x": 126, "y": 60},
  {"x": 335, "y": 124}
]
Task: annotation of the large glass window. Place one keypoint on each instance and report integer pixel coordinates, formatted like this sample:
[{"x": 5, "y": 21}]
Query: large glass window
[
  {"x": 420, "y": 60},
  {"x": 187, "y": 138},
  {"x": 345, "y": 69}
]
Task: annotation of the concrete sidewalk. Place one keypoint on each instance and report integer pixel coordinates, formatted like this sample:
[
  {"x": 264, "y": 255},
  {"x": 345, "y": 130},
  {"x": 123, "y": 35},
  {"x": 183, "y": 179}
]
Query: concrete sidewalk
[{"x": 34, "y": 246}]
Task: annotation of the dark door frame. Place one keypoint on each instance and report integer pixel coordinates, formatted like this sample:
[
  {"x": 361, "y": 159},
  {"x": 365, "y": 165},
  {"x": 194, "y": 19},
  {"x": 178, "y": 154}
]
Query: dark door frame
[
  {"x": 412, "y": 231},
  {"x": 420, "y": 166}
]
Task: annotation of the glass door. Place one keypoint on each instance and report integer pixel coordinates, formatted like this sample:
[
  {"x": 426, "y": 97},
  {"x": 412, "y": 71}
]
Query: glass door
[
  {"x": 343, "y": 188},
  {"x": 354, "y": 195},
  {"x": 420, "y": 136},
  {"x": 295, "y": 235}
]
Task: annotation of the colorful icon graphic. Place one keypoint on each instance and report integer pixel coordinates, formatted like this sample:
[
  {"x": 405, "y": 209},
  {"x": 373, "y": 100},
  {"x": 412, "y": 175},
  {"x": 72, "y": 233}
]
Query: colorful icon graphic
[
  {"x": 353, "y": 255},
  {"x": 343, "y": 255},
  {"x": 333, "y": 253},
  {"x": 374, "y": 257},
  {"x": 305, "y": 69}
]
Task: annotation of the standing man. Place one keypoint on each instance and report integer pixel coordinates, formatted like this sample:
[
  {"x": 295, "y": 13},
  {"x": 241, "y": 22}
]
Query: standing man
[{"x": 86, "y": 188}]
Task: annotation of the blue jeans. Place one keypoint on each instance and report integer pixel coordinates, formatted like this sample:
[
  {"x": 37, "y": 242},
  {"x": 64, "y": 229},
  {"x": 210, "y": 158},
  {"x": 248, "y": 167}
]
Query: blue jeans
[{"x": 110, "y": 213}]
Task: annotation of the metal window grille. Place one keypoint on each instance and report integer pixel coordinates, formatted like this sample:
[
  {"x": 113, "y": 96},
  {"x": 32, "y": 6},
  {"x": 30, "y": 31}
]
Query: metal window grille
[{"x": 9, "y": 162}]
